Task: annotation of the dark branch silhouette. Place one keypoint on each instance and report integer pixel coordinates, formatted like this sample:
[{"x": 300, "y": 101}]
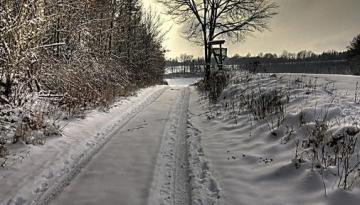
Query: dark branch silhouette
[{"x": 207, "y": 20}]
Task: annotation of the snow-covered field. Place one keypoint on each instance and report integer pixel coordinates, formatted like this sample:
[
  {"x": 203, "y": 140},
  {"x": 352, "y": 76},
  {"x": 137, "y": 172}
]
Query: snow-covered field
[{"x": 282, "y": 139}]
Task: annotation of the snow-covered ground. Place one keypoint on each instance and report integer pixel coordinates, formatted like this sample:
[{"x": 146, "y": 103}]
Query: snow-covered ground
[
  {"x": 34, "y": 174},
  {"x": 144, "y": 162},
  {"x": 257, "y": 158},
  {"x": 271, "y": 139},
  {"x": 135, "y": 153},
  {"x": 182, "y": 81}
]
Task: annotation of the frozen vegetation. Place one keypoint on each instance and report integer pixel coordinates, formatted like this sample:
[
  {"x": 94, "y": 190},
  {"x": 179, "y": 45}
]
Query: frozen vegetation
[
  {"x": 34, "y": 174},
  {"x": 59, "y": 59},
  {"x": 86, "y": 117},
  {"x": 269, "y": 139},
  {"x": 282, "y": 139}
]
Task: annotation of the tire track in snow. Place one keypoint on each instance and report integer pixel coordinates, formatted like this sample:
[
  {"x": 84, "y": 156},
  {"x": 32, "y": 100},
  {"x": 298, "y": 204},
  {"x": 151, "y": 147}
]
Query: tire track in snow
[
  {"x": 205, "y": 189},
  {"x": 57, "y": 184},
  {"x": 181, "y": 181},
  {"x": 170, "y": 185}
]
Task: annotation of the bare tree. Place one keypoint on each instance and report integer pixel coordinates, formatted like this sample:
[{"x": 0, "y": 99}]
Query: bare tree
[
  {"x": 207, "y": 20},
  {"x": 186, "y": 59},
  {"x": 101, "y": 47}
]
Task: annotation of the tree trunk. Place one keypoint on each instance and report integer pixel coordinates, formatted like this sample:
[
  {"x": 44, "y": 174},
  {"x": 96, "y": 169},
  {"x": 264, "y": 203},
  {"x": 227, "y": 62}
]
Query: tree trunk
[
  {"x": 113, "y": 6},
  {"x": 207, "y": 62},
  {"x": 8, "y": 85},
  {"x": 57, "y": 34}
]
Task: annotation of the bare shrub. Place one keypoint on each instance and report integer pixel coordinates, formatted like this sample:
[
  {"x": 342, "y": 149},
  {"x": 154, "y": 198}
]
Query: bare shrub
[
  {"x": 3, "y": 151},
  {"x": 74, "y": 55},
  {"x": 327, "y": 149},
  {"x": 217, "y": 82},
  {"x": 264, "y": 103},
  {"x": 34, "y": 127},
  {"x": 343, "y": 147}
]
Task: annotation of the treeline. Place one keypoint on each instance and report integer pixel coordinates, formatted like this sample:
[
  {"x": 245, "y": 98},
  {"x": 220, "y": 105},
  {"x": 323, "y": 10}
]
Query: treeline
[
  {"x": 331, "y": 62},
  {"x": 87, "y": 52},
  {"x": 302, "y": 56}
]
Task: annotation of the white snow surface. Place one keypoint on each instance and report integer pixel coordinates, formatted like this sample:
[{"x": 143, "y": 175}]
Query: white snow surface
[
  {"x": 230, "y": 156},
  {"x": 170, "y": 183},
  {"x": 182, "y": 81},
  {"x": 43, "y": 171},
  {"x": 252, "y": 161}
]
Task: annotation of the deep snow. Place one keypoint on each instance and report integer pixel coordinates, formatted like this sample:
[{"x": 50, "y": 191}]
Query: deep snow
[
  {"x": 253, "y": 160},
  {"x": 42, "y": 171},
  {"x": 135, "y": 153},
  {"x": 212, "y": 154}
]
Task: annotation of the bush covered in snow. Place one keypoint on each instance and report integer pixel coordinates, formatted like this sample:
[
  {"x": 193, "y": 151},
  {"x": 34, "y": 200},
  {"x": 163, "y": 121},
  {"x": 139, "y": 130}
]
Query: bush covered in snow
[
  {"x": 305, "y": 113},
  {"x": 71, "y": 56}
]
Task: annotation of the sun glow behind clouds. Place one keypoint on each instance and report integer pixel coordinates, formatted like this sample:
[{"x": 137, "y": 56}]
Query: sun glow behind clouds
[
  {"x": 174, "y": 43},
  {"x": 319, "y": 25}
]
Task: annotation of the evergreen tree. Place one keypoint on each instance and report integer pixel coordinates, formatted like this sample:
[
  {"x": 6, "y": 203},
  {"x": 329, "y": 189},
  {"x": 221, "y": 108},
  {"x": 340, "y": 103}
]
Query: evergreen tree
[{"x": 354, "y": 55}]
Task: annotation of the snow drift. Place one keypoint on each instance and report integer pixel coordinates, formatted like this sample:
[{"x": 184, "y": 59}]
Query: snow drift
[{"x": 282, "y": 139}]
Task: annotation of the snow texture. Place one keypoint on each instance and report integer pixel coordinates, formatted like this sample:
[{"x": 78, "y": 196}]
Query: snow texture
[
  {"x": 182, "y": 81},
  {"x": 43, "y": 171},
  {"x": 170, "y": 184},
  {"x": 253, "y": 160},
  {"x": 211, "y": 154}
]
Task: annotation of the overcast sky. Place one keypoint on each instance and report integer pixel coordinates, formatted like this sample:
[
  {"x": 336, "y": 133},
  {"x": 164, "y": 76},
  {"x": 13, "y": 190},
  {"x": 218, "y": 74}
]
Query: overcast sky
[{"x": 317, "y": 25}]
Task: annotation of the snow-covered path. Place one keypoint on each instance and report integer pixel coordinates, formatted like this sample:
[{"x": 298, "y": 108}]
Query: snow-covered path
[
  {"x": 123, "y": 170},
  {"x": 169, "y": 146},
  {"x": 136, "y": 153}
]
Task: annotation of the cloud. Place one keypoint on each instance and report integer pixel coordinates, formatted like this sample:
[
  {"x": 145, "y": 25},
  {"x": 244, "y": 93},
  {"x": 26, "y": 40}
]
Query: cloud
[{"x": 317, "y": 25}]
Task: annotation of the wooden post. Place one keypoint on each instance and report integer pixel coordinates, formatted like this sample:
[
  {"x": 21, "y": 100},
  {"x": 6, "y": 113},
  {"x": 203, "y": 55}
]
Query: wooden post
[{"x": 221, "y": 58}]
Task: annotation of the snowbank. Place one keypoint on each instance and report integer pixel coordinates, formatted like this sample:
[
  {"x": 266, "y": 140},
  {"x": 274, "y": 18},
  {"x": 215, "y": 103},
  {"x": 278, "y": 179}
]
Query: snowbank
[
  {"x": 282, "y": 139},
  {"x": 42, "y": 171}
]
